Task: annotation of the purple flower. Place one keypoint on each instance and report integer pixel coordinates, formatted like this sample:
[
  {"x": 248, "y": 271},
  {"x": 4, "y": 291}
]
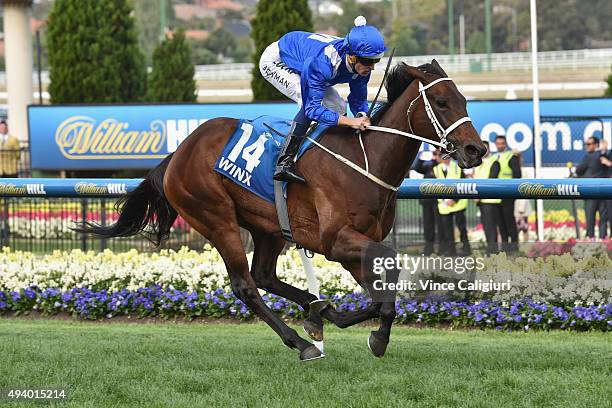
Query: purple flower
[{"x": 29, "y": 293}]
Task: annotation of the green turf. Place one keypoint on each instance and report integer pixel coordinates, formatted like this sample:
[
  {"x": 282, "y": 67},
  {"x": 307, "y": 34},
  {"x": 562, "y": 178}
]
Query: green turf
[{"x": 227, "y": 365}]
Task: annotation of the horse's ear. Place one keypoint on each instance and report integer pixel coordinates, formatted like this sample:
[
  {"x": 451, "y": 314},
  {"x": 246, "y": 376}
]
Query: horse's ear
[
  {"x": 434, "y": 62},
  {"x": 414, "y": 72}
]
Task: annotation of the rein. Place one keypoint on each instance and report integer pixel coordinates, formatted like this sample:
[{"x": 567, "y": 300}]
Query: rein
[{"x": 440, "y": 131}]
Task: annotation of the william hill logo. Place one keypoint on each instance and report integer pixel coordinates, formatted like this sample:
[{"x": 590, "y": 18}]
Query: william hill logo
[
  {"x": 80, "y": 137},
  {"x": 31, "y": 189},
  {"x": 11, "y": 189},
  {"x": 84, "y": 188},
  {"x": 556, "y": 190},
  {"x": 433, "y": 188}
]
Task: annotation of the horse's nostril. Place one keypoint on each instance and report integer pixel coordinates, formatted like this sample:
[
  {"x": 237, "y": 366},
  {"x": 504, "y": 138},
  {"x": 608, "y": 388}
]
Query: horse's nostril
[{"x": 472, "y": 150}]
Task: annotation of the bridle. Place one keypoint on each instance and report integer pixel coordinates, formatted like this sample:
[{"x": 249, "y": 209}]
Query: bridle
[{"x": 442, "y": 133}]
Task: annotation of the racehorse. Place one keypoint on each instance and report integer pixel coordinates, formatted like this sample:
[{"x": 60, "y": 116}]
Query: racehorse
[{"x": 337, "y": 213}]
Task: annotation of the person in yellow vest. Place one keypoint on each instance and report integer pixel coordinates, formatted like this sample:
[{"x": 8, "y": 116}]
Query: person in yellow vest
[
  {"x": 450, "y": 209},
  {"x": 425, "y": 164},
  {"x": 9, "y": 152},
  {"x": 490, "y": 208},
  {"x": 509, "y": 167}
]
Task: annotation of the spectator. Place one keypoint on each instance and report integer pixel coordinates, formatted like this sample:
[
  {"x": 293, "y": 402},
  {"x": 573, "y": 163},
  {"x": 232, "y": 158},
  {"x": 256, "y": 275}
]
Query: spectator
[
  {"x": 522, "y": 209},
  {"x": 490, "y": 208},
  {"x": 591, "y": 166},
  {"x": 451, "y": 209},
  {"x": 9, "y": 152},
  {"x": 509, "y": 168},
  {"x": 606, "y": 160},
  {"x": 425, "y": 164}
]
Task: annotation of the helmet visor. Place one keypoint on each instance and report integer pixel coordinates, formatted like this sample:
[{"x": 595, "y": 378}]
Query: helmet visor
[{"x": 368, "y": 61}]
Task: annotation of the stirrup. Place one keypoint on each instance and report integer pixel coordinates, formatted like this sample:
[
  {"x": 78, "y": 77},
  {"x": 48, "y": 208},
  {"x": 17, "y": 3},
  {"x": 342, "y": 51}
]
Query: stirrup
[{"x": 287, "y": 172}]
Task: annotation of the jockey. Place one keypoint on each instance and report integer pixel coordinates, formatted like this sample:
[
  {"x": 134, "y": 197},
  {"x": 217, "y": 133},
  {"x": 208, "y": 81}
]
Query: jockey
[{"x": 305, "y": 66}]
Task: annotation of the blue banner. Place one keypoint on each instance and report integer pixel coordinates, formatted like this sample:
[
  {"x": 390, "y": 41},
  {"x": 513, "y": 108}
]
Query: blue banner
[
  {"x": 139, "y": 136},
  {"x": 410, "y": 188}
]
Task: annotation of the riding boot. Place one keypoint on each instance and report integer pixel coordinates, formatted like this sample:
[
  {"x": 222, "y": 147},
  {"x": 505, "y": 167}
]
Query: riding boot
[{"x": 285, "y": 166}]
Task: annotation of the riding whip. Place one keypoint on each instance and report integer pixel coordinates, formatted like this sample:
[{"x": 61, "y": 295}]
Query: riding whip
[{"x": 382, "y": 83}]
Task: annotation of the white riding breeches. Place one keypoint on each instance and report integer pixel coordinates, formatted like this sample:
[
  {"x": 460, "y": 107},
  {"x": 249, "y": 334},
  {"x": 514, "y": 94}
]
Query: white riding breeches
[{"x": 288, "y": 81}]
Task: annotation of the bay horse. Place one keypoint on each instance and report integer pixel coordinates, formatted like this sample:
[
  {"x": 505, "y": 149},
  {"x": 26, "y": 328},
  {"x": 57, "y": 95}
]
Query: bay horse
[{"x": 337, "y": 213}]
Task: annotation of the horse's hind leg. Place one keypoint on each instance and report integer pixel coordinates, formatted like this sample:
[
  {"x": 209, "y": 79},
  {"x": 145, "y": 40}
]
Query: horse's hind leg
[
  {"x": 224, "y": 234},
  {"x": 263, "y": 269}
]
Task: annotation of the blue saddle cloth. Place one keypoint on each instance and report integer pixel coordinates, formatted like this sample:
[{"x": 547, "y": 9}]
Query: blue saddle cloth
[{"x": 249, "y": 157}]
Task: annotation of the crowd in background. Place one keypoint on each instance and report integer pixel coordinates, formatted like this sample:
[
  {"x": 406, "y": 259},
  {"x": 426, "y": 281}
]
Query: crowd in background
[
  {"x": 502, "y": 219},
  {"x": 596, "y": 163}
]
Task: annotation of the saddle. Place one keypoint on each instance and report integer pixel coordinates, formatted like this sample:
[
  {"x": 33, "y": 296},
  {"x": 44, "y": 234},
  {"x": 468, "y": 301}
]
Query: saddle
[{"x": 249, "y": 159}]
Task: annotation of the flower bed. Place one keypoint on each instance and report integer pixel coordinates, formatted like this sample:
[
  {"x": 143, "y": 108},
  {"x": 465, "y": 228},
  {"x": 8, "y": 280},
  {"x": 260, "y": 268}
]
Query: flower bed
[
  {"x": 190, "y": 284},
  {"x": 156, "y": 301}
]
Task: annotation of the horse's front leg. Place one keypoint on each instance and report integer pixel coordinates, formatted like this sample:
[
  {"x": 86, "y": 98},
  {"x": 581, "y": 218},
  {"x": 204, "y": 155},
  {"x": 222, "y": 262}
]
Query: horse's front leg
[{"x": 364, "y": 259}]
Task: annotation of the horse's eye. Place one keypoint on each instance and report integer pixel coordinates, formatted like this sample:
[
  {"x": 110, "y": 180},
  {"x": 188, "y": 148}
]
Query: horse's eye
[{"x": 441, "y": 103}]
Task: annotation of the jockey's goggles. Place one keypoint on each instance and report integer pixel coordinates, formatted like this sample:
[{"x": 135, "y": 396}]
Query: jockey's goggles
[{"x": 368, "y": 61}]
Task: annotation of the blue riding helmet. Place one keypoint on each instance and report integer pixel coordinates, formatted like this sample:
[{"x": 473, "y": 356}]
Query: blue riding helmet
[{"x": 365, "y": 41}]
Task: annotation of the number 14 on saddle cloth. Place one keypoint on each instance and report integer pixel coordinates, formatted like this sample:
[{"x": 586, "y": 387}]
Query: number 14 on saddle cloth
[{"x": 249, "y": 157}]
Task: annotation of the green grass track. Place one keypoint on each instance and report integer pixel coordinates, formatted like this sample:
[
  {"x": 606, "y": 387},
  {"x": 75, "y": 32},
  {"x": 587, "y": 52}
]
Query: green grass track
[{"x": 232, "y": 365}]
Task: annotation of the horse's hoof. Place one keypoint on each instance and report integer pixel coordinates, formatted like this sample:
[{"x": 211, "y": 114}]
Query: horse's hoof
[
  {"x": 377, "y": 344},
  {"x": 313, "y": 330},
  {"x": 317, "y": 306},
  {"x": 311, "y": 353}
]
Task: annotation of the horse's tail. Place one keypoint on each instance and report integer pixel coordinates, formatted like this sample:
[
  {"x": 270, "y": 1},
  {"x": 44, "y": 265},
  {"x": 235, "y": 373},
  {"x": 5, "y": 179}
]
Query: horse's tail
[{"x": 144, "y": 207}]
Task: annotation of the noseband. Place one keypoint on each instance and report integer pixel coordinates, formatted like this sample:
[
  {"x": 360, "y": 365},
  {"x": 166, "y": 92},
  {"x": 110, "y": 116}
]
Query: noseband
[{"x": 441, "y": 132}]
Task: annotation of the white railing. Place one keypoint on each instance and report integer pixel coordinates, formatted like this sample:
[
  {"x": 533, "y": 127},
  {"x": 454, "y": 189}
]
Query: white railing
[
  {"x": 223, "y": 71},
  {"x": 510, "y": 61}
]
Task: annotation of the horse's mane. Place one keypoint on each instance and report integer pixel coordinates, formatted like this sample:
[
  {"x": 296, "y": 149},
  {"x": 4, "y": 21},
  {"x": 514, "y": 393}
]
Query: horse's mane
[{"x": 398, "y": 79}]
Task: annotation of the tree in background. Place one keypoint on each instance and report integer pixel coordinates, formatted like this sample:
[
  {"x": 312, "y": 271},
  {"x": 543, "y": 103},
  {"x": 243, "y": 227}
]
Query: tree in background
[
  {"x": 402, "y": 36},
  {"x": 274, "y": 19},
  {"x": 93, "y": 53},
  {"x": 243, "y": 50},
  {"x": 404, "y": 42},
  {"x": 221, "y": 42},
  {"x": 171, "y": 79},
  {"x": 148, "y": 23},
  {"x": 200, "y": 55}
]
